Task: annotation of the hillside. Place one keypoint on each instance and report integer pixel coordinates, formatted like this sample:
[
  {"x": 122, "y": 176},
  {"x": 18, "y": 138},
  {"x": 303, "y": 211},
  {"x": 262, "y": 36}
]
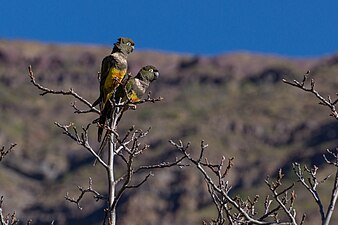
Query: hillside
[{"x": 235, "y": 102}]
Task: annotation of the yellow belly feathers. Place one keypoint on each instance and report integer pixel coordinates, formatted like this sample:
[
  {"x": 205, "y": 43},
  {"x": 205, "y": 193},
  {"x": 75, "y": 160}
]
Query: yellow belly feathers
[{"x": 113, "y": 80}]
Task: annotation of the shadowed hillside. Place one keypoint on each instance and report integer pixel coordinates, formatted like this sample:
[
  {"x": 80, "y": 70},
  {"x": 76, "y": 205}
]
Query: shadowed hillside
[{"x": 235, "y": 102}]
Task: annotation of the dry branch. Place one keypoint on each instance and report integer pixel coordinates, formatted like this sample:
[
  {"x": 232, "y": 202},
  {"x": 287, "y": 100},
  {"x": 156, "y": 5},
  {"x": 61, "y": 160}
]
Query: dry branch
[
  {"x": 71, "y": 92},
  {"x": 234, "y": 210},
  {"x": 309, "y": 180},
  {"x": 4, "y": 151},
  {"x": 10, "y": 218},
  {"x": 81, "y": 138},
  {"x": 97, "y": 196},
  {"x": 326, "y": 102}
]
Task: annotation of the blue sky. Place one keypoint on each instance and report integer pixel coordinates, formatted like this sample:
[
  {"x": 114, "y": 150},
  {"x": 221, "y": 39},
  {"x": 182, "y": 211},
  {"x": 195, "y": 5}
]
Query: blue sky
[{"x": 294, "y": 28}]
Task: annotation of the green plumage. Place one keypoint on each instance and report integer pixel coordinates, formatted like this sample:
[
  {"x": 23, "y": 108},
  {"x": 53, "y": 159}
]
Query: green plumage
[
  {"x": 132, "y": 90},
  {"x": 137, "y": 86},
  {"x": 113, "y": 70}
]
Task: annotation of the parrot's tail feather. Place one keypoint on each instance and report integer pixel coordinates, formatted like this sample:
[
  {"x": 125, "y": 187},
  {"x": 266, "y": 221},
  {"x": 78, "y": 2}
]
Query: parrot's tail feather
[
  {"x": 101, "y": 122},
  {"x": 99, "y": 133},
  {"x": 97, "y": 101},
  {"x": 103, "y": 144}
]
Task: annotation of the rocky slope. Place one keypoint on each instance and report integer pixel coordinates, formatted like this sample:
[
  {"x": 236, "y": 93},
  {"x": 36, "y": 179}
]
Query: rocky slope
[{"x": 235, "y": 102}]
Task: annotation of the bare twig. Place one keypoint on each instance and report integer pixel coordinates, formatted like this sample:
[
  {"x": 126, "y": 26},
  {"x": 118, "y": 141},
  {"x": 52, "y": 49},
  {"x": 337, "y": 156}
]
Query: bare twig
[
  {"x": 334, "y": 193},
  {"x": 219, "y": 191},
  {"x": 312, "y": 182},
  {"x": 81, "y": 139},
  {"x": 311, "y": 185},
  {"x": 161, "y": 165},
  {"x": 132, "y": 148},
  {"x": 9, "y": 219},
  {"x": 4, "y": 151},
  {"x": 148, "y": 99},
  {"x": 70, "y": 92},
  {"x": 2, "y": 218},
  {"x": 284, "y": 199},
  {"x": 97, "y": 195},
  {"x": 327, "y": 102}
]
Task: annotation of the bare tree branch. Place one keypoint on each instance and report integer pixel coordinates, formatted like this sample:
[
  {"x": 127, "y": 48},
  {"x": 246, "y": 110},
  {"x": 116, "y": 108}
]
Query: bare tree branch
[
  {"x": 311, "y": 186},
  {"x": 4, "y": 151},
  {"x": 327, "y": 102},
  {"x": 132, "y": 147},
  {"x": 285, "y": 199},
  {"x": 97, "y": 195},
  {"x": 9, "y": 219},
  {"x": 334, "y": 193},
  {"x": 149, "y": 99},
  {"x": 81, "y": 139},
  {"x": 71, "y": 92},
  {"x": 245, "y": 210},
  {"x": 312, "y": 182}
]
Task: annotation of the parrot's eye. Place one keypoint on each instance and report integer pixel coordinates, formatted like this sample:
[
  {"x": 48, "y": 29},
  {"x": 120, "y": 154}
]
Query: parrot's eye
[
  {"x": 128, "y": 43},
  {"x": 151, "y": 70}
]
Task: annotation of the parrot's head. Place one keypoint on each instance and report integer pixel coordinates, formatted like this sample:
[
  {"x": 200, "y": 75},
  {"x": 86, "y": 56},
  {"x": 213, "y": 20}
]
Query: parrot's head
[
  {"x": 125, "y": 45},
  {"x": 148, "y": 73}
]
